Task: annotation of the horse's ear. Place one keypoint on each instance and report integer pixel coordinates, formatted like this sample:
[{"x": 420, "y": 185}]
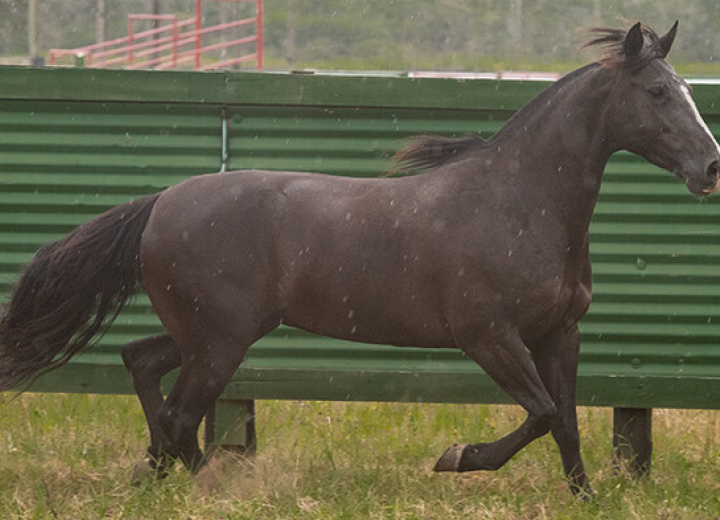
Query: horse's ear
[
  {"x": 667, "y": 40},
  {"x": 634, "y": 41}
]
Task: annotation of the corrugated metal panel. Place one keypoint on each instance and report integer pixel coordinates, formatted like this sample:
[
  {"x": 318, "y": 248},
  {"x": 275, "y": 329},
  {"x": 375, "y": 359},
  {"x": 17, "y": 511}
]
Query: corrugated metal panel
[
  {"x": 339, "y": 140},
  {"x": 654, "y": 246}
]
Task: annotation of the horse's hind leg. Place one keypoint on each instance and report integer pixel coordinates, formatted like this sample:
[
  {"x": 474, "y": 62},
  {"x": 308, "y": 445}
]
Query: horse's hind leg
[
  {"x": 148, "y": 361},
  {"x": 504, "y": 358},
  {"x": 208, "y": 365},
  {"x": 556, "y": 358}
]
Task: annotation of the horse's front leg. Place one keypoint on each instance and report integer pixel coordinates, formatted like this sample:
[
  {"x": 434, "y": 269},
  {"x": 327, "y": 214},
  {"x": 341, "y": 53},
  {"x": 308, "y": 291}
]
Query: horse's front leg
[
  {"x": 503, "y": 357},
  {"x": 556, "y": 359},
  {"x": 148, "y": 360}
]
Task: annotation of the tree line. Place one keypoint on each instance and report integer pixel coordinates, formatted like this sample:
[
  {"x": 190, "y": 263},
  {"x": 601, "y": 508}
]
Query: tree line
[{"x": 387, "y": 34}]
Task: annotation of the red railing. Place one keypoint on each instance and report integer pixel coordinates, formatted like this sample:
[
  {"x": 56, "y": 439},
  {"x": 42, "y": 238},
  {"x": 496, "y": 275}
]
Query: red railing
[{"x": 172, "y": 43}]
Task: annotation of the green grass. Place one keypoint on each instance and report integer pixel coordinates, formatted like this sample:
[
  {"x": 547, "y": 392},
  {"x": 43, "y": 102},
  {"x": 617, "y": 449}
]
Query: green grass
[{"x": 70, "y": 456}]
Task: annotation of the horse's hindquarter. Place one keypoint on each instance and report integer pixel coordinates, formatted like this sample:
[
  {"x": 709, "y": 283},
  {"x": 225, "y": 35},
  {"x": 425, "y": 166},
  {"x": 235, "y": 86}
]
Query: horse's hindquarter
[{"x": 206, "y": 253}]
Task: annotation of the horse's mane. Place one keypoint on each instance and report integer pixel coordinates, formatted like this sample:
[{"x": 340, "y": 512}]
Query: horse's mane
[
  {"x": 611, "y": 44},
  {"x": 427, "y": 152},
  {"x": 430, "y": 151}
]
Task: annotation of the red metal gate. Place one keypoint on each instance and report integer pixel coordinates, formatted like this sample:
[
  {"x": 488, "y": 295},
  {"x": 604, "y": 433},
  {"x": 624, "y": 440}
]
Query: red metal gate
[{"x": 173, "y": 43}]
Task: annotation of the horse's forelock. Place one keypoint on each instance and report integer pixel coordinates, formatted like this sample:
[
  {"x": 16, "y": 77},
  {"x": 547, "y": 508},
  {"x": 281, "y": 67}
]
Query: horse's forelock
[{"x": 611, "y": 46}]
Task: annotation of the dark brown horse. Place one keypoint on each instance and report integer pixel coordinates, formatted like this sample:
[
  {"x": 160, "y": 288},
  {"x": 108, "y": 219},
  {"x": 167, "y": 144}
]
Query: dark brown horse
[{"x": 486, "y": 251}]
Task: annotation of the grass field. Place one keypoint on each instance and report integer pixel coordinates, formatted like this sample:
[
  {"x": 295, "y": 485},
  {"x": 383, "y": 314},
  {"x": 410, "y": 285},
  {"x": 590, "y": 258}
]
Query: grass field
[{"x": 70, "y": 457}]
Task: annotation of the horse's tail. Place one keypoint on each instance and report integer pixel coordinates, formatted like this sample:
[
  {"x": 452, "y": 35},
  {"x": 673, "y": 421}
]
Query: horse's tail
[{"x": 71, "y": 292}]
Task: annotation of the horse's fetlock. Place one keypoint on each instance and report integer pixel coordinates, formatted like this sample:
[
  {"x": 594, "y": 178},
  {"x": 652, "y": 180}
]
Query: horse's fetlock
[
  {"x": 169, "y": 426},
  {"x": 477, "y": 457}
]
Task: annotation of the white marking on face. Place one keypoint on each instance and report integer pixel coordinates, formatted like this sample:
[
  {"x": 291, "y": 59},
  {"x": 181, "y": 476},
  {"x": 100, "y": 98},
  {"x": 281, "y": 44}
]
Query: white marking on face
[{"x": 693, "y": 107}]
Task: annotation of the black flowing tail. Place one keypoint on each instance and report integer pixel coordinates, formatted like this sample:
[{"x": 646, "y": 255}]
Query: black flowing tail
[{"x": 70, "y": 293}]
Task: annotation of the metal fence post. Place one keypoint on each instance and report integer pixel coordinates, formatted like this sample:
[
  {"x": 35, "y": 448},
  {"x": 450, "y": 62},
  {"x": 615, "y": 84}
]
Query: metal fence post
[{"x": 230, "y": 425}]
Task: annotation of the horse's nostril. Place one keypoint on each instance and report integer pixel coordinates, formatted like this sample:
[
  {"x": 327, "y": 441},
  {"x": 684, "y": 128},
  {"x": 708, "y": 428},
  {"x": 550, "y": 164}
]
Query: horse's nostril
[{"x": 713, "y": 171}]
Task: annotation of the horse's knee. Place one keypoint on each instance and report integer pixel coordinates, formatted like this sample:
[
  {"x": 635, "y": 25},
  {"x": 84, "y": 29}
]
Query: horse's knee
[{"x": 540, "y": 423}]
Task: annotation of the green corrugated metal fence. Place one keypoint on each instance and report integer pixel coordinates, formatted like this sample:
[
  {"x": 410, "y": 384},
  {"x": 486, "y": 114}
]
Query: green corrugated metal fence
[{"x": 76, "y": 142}]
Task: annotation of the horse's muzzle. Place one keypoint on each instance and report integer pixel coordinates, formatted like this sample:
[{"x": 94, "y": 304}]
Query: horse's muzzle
[{"x": 704, "y": 182}]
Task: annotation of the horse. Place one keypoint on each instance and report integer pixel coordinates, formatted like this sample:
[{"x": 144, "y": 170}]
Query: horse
[{"x": 483, "y": 249}]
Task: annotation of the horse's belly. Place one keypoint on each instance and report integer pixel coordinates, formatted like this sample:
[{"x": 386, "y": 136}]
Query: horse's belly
[{"x": 389, "y": 321}]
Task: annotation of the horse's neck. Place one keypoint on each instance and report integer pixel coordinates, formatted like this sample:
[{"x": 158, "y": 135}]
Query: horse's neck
[{"x": 557, "y": 146}]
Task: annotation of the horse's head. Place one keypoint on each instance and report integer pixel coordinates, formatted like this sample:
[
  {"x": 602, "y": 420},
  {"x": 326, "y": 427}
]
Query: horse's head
[{"x": 652, "y": 113}]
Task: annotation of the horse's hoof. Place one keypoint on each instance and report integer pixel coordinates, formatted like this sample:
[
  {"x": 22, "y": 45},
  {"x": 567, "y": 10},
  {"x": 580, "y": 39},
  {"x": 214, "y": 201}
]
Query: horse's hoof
[
  {"x": 450, "y": 460},
  {"x": 143, "y": 472}
]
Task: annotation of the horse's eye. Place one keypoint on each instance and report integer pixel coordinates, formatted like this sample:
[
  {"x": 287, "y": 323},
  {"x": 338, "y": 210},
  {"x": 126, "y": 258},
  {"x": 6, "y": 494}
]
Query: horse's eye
[{"x": 657, "y": 92}]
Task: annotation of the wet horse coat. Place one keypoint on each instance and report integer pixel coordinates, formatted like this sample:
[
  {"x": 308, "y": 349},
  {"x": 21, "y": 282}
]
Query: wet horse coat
[{"x": 487, "y": 251}]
